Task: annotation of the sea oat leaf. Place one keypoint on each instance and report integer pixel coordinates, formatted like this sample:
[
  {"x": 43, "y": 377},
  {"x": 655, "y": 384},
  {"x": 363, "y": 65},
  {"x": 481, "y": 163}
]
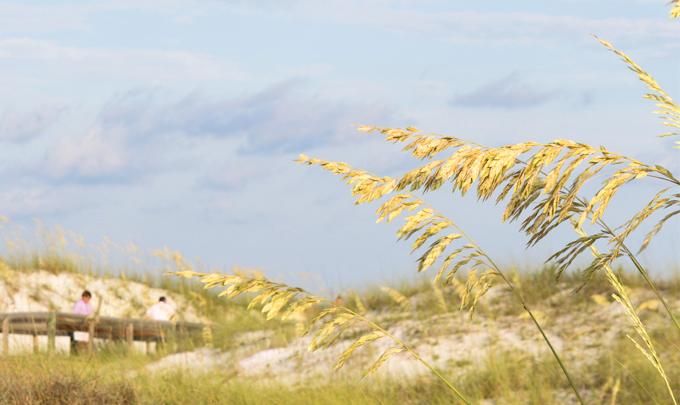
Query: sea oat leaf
[
  {"x": 435, "y": 250},
  {"x": 599, "y": 299},
  {"x": 656, "y": 229},
  {"x": 386, "y": 355},
  {"x": 439, "y": 295},
  {"x": 431, "y": 231},
  {"x": 325, "y": 334},
  {"x": 363, "y": 340},
  {"x": 668, "y": 109},
  {"x": 361, "y": 307},
  {"x": 397, "y": 297}
]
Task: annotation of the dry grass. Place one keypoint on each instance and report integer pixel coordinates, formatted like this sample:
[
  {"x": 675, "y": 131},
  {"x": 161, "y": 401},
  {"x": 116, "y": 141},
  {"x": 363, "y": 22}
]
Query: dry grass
[
  {"x": 41, "y": 380},
  {"x": 507, "y": 377},
  {"x": 542, "y": 186},
  {"x": 511, "y": 377}
]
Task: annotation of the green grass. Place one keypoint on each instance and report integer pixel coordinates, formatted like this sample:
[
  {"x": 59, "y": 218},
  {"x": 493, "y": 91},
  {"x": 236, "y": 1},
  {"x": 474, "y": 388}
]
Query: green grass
[
  {"x": 38, "y": 379},
  {"x": 504, "y": 377}
]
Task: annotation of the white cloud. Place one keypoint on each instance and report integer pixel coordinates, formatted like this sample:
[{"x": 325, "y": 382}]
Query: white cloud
[
  {"x": 486, "y": 27},
  {"x": 23, "y": 17},
  {"x": 507, "y": 92},
  {"x": 527, "y": 27},
  {"x": 35, "y": 201},
  {"x": 20, "y": 126},
  {"x": 280, "y": 118},
  {"x": 41, "y": 17},
  {"x": 153, "y": 65},
  {"x": 236, "y": 173},
  {"x": 146, "y": 133},
  {"x": 95, "y": 155}
]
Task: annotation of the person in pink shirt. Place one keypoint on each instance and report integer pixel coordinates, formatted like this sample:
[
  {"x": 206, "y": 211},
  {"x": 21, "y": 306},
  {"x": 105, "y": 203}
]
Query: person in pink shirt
[{"x": 83, "y": 307}]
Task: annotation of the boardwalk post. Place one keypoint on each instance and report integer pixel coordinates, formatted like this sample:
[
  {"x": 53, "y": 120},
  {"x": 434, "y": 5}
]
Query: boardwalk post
[
  {"x": 36, "y": 347},
  {"x": 129, "y": 335},
  {"x": 175, "y": 338},
  {"x": 52, "y": 332},
  {"x": 161, "y": 339},
  {"x": 206, "y": 336},
  {"x": 183, "y": 343},
  {"x": 5, "y": 335},
  {"x": 90, "y": 335}
]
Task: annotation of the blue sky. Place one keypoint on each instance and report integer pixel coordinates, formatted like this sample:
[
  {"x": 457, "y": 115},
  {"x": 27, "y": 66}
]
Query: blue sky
[{"x": 176, "y": 122}]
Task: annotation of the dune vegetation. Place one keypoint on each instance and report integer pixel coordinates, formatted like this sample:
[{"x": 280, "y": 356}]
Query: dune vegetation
[
  {"x": 492, "y": 355},
  {"x": 464, "y": 329},
  {"x": 543, "y": 186}
]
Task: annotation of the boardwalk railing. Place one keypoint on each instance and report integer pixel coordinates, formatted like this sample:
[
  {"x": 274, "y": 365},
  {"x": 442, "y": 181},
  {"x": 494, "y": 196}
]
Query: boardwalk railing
[{"x": 53, "y": 324}]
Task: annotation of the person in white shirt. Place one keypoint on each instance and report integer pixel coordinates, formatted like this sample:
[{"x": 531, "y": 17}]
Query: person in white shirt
[{"x": 160, "y": 311}]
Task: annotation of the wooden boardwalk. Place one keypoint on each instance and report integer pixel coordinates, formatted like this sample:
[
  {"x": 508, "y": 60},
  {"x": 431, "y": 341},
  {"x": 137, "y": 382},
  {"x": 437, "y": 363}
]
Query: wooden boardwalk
[{"x": 53, "y": 324}]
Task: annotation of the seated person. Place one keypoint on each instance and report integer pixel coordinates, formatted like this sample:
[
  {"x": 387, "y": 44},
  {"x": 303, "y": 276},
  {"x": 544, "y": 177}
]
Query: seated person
[
  {"x": 83, "y": 306},
  {"x": 160, "y": 311}
]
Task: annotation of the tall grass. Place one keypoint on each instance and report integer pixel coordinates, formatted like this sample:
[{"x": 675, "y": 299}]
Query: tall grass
[
  {"x": 511, "y": 377},
  {"x": 507, "y": 377},
  {"x": 544, "y": 186}
]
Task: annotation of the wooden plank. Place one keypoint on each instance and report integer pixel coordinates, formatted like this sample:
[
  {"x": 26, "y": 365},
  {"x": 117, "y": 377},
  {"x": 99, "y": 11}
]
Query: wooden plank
[{"x": 25, "y": 328}]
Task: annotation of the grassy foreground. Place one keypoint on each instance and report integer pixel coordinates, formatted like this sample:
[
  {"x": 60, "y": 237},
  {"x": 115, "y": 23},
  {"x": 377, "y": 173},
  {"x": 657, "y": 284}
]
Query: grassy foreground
[
  {"x": 620, "y": 374},
  {"x": 504, "y": 378}
]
